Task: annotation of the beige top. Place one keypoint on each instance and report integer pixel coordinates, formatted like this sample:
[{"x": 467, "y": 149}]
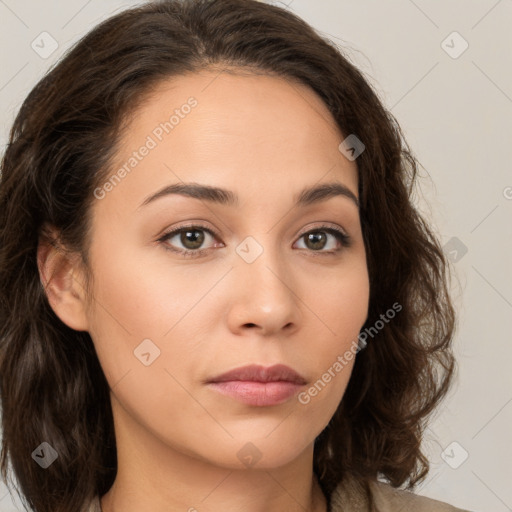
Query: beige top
[{"x": 349, "y": 496}]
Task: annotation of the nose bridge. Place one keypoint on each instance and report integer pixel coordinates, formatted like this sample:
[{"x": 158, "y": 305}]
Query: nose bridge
[{"x": 264, "y": 283}]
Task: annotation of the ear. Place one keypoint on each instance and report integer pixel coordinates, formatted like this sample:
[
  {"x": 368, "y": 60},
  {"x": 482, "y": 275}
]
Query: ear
[{"x": 62, "y": 277}]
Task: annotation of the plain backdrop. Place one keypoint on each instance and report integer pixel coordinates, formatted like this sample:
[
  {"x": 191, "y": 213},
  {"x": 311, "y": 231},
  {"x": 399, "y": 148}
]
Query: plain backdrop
[{"x": 444, "y": 69}]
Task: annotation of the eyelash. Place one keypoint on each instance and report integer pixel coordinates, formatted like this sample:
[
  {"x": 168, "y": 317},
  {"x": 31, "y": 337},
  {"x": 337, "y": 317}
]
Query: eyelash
[{"x": 342, "y": 237}]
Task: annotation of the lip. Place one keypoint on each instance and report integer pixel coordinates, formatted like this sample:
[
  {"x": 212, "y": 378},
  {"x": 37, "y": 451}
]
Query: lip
[
  {"x": 258, "y": 373},
  {"x": 258, "y": 385}
]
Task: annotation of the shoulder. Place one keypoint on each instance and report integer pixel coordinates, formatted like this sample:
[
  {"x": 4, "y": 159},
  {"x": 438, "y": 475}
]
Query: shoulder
[
  {"x": 388, "y": 498},
  {"x": 350, "y": 496}
]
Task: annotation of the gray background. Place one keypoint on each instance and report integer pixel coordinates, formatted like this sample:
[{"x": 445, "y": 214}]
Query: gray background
[{"x": 455, "y": 107}]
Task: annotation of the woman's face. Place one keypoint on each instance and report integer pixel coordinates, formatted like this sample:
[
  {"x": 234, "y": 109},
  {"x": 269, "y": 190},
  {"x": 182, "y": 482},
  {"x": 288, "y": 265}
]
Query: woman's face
[{"x": 254, "y": 287}]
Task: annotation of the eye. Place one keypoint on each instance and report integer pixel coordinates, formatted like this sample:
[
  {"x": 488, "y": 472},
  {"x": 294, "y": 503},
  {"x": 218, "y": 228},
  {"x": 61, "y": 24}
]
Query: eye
[
  {"x": 317, "y": 239},
  {"x": 191, "y": 237}
]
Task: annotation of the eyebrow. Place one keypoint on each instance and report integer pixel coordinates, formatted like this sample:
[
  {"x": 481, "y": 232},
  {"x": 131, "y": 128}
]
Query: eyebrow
[{"x": 225, "y": 197}]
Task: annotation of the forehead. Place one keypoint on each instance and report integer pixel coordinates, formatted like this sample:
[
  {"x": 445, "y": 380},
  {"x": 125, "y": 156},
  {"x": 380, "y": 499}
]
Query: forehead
[
  {"x": 237, "y": 130},
  {"x": 235, "y": 104}
]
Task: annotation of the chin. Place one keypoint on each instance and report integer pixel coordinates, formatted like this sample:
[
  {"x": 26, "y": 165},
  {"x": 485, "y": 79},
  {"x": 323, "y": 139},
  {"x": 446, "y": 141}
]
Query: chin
[{"x": 261, "y": 452}]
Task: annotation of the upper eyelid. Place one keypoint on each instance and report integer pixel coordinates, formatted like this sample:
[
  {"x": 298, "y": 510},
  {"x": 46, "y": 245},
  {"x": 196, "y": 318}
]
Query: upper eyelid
[
  {"x": 189, "y": 226},
  {"x": 324, "y": 225}
]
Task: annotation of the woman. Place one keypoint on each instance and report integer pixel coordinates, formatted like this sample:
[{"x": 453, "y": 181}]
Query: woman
[{"x": 216, "y": 293}]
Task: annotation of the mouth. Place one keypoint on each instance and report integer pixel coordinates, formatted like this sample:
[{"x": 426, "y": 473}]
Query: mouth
[{"x": 258, "y": 385}]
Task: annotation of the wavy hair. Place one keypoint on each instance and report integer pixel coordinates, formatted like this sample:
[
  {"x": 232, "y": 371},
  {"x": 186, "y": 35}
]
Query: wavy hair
[{"x": 60, "y": 149}]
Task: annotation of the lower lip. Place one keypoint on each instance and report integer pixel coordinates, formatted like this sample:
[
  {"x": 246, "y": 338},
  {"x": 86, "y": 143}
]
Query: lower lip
[{"x": 257, "y": 393}]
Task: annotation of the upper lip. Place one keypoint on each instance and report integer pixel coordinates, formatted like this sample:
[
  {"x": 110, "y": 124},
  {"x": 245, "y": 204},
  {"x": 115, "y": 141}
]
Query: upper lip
[{"x": 258, "y": 373}]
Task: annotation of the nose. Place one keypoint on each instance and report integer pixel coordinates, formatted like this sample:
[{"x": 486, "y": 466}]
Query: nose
[{"x": 264, "y": 296}]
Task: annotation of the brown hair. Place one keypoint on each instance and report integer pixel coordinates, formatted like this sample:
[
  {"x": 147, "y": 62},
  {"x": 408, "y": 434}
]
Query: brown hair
[{"x": 60, "y": 149}]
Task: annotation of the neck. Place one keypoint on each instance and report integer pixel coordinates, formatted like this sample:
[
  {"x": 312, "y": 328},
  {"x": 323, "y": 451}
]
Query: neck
[
  {"x": 261, "y": 491},
  {"x": 155, "y": 476}
]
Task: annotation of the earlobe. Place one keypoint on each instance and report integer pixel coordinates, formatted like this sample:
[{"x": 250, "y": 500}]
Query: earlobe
[{"x": 60, "y": 276}]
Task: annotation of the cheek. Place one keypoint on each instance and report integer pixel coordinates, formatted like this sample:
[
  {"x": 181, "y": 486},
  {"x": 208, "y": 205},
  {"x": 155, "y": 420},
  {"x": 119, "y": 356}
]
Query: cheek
[
  {"x": 145, "y": 311},
  {"x": 340, "y": 301},
  {"x": 333, "y": 355},
  {"x": 341, "y": 310},
  {"x": 323, "y": 395}
]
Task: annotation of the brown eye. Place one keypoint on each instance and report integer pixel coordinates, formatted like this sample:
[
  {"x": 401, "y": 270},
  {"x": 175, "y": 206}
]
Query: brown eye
[
  {"x": 191, "y": 239},
  {"x": 316, "y": 240},
  {"x": 194, "y": 237}
]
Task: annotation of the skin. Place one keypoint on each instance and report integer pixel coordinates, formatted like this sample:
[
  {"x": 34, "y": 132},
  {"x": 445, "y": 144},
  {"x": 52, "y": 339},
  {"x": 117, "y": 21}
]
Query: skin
[{"x": 265, "y": 139}]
